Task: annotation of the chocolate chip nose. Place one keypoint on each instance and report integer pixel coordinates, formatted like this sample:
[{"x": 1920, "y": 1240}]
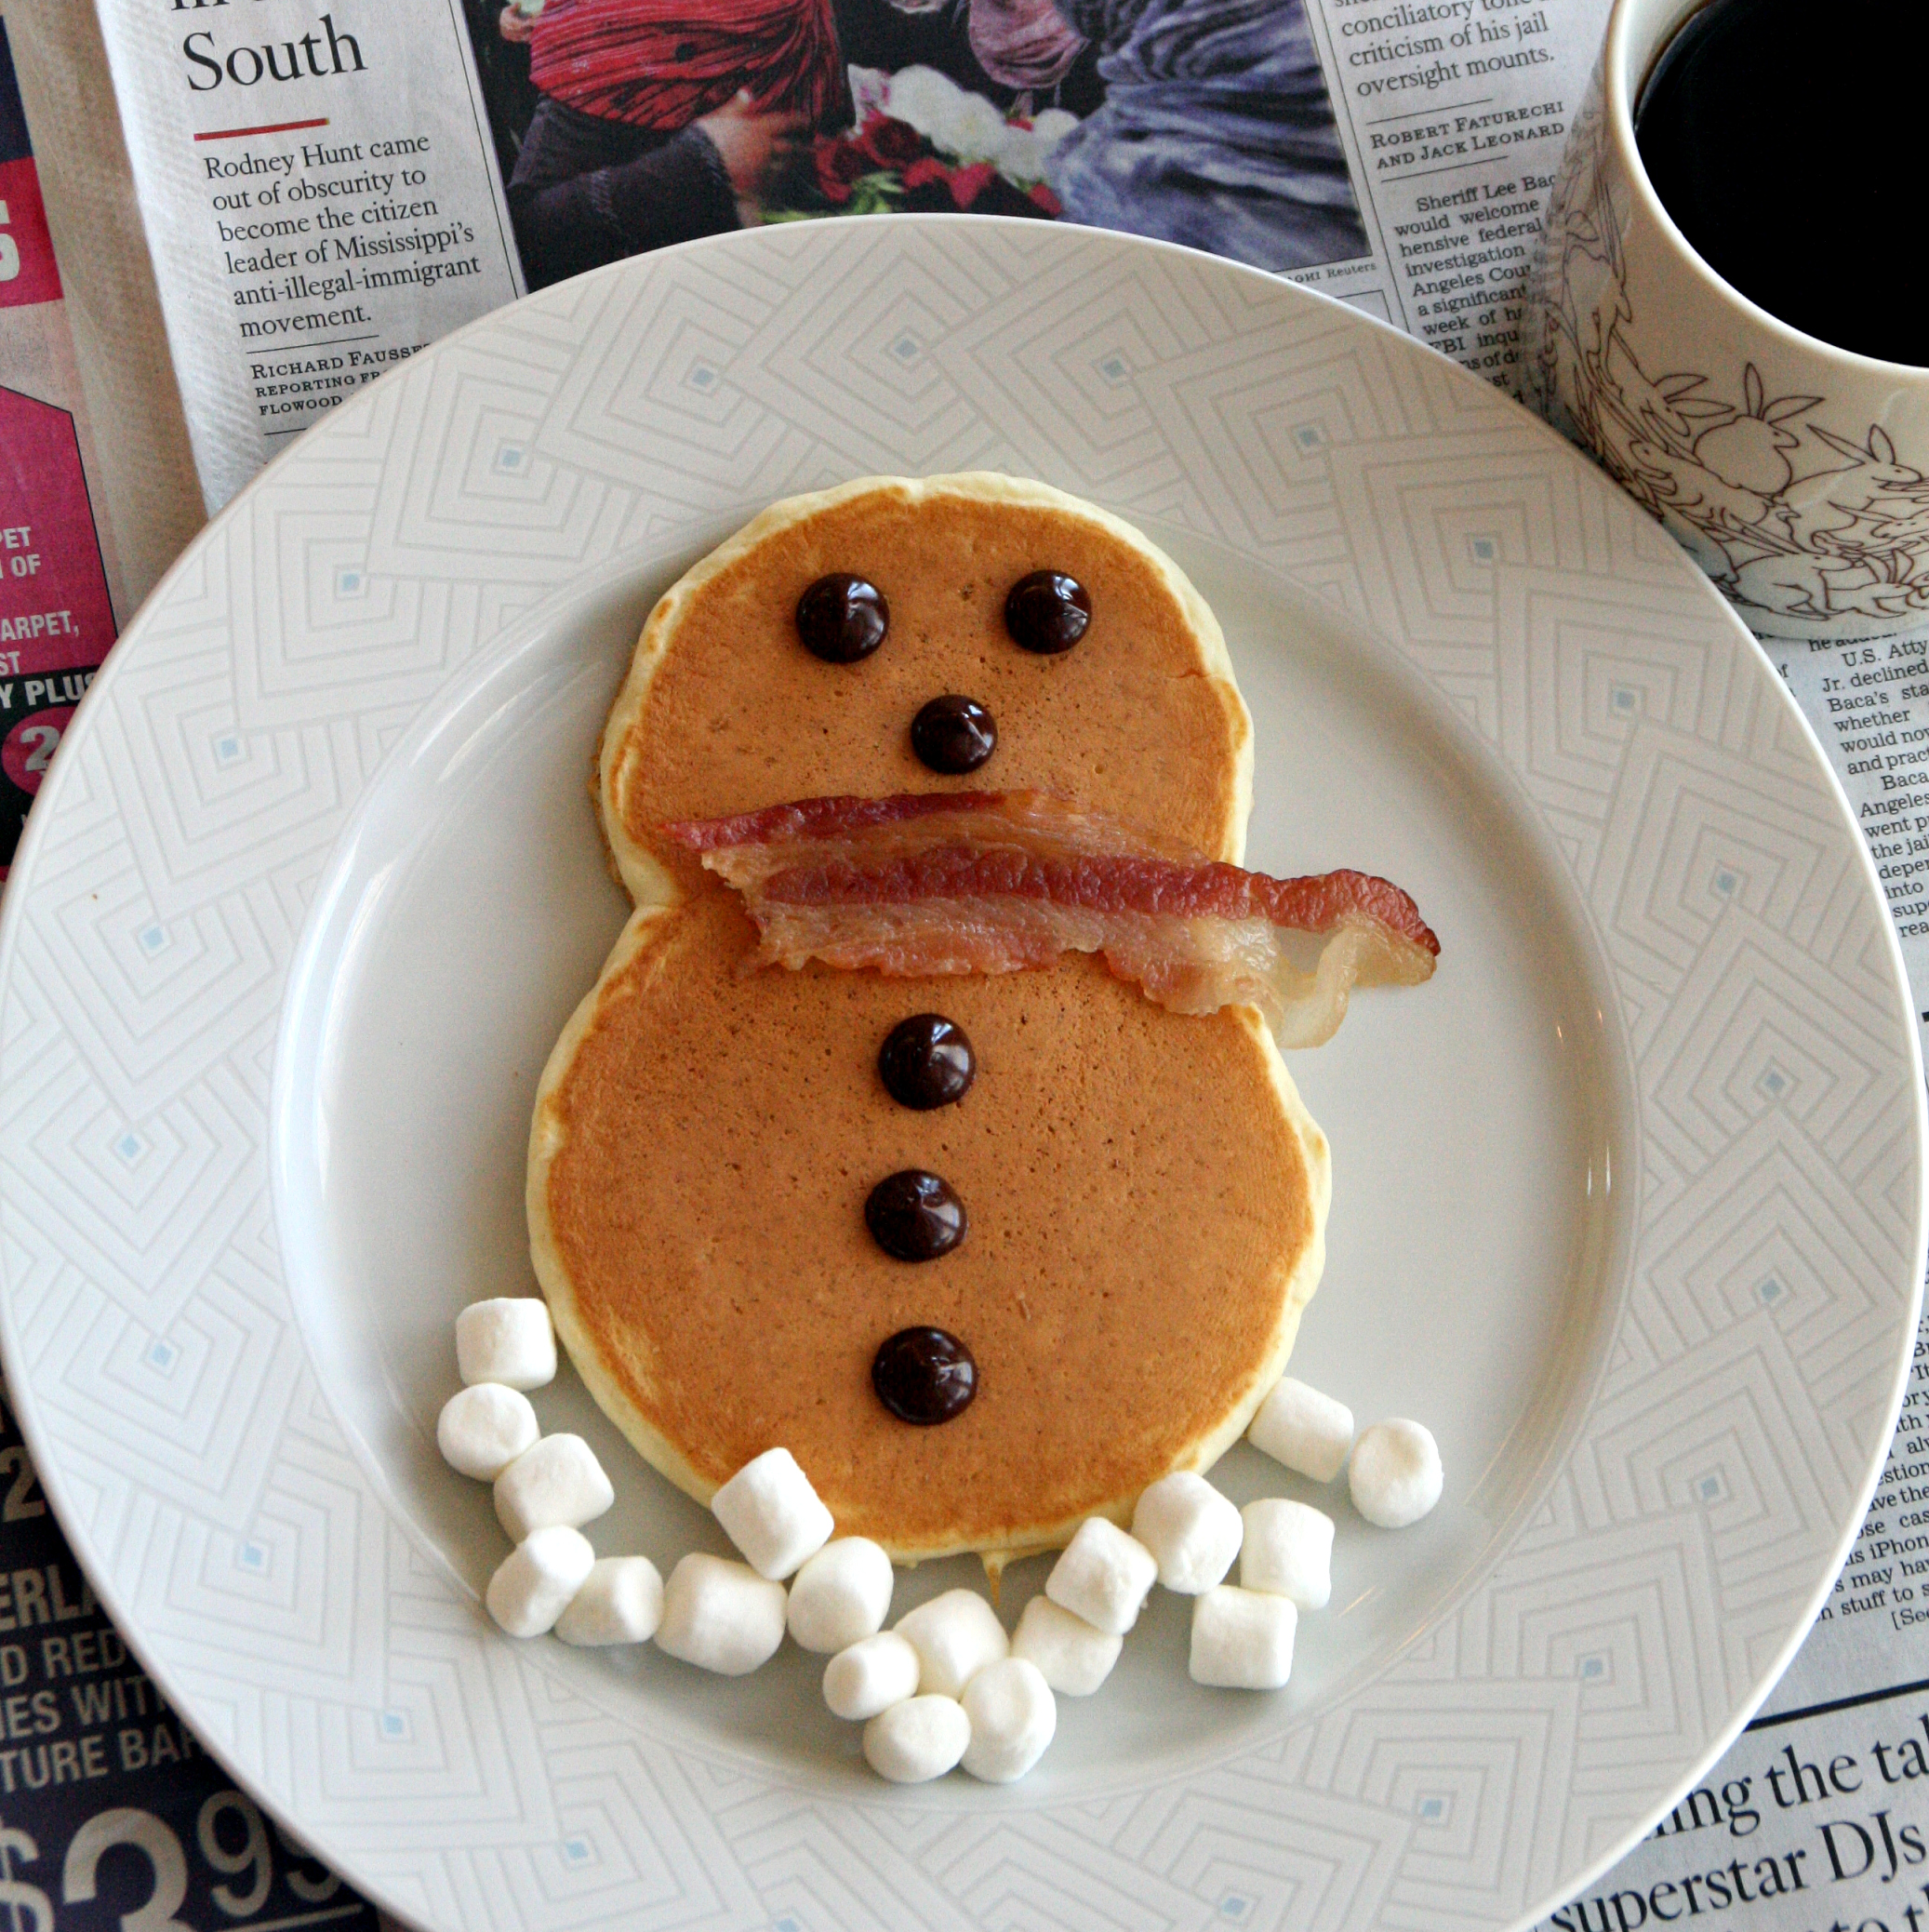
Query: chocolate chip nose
[{"x": 953, "y": 733}]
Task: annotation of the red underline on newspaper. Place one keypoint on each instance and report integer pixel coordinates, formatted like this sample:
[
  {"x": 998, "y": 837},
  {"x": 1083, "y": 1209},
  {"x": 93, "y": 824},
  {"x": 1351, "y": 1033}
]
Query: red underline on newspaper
[{"x": 273, "y": 128}]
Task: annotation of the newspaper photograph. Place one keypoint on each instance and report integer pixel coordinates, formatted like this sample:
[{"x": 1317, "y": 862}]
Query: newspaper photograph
[{"x": 328, "y": 191}]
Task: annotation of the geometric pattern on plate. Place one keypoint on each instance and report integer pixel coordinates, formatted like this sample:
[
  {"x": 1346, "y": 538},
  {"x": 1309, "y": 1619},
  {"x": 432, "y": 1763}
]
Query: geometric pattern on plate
[{"x": 1702, "y": 1498}]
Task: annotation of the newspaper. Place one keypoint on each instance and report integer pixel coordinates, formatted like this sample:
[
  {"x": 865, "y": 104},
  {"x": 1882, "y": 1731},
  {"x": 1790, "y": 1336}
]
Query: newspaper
[
  {"x": 329, "y": 186},
  {"x": 58, "y": 573},
  {"x": 312, "y": 191}
]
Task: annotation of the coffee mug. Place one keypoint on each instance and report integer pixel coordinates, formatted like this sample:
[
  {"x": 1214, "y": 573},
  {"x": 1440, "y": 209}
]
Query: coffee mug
[{"x": 1796, "y": 474}]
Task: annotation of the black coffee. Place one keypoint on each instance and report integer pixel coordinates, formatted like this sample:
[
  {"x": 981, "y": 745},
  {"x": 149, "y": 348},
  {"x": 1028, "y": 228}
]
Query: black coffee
[{"x": 1785, "y": 138}]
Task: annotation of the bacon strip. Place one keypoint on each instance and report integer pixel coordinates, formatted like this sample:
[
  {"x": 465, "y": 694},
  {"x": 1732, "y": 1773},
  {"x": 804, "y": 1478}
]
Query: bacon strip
[{"x": 964, "y": 882}]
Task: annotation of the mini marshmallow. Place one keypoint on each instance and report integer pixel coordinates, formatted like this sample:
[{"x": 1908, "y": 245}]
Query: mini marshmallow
[
  {"x": 920, "y": 1738},
  {"x": 1242, "y": 1639},
  {"x": 841, "y": 1596},
  {"x": 1192, "y": 1531},
  {"x": 620, "y": 1602},
  {"x": 1395, "y": 1476},
  {"x": 508, "y": 1340},
  {"x": 556, "y": 1479},
  {"x": 484, "y": 1428},
  {"x": 1288, "y": 1551},
  {"x": 871, "y": 1676},
  {"x": 532, "y": 1584},
  {"x": 955, "y": 1636},
  {"x": 1071, "y": 1657},
  {"x": 721, "y": 1616},
  {"x": 1308, "y": 1432},
  {"x": 1103, "y": 1576},
  {"x": 771, "y": 1512},
  {"x": 1013, "y": 1718}
]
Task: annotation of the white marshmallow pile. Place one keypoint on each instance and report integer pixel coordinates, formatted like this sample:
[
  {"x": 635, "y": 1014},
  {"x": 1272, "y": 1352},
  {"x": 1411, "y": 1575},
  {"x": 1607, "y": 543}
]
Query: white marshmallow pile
[
  {"x": 1308, "y": 1432},
  {"x": 955, "y": 1636},
  {"x": 1071, "y": 1657},
  {"x": 1392, "y": 1468},
  {"x": 1013, "y": 1718},
  {"x": 725, "y": 1616},
  {"x": 546, "y": 1487},
  {"x": 1288, "y": 1552},
  {"x": 510, "y": 1341},
  {"x": 483, "y": 1429},
  {"x": 1192, "y": 1531},
  {"x": 771, "y": 1512},
  {"x": 1395, "y": 1475},
  {"x": 841, "y": 1596},
  {"x": 721, "y": 1616},
  {"x": 942, "y": 1689},
  {"x": 874, "y": 1674},
  {"x": 1103, "y": 1576},
  {"x": 1242, "y": 1634},
  {"x": 532, "y": 1584},
  {"x": 946, "y": 1686},
  {"x": 555, "y": 1480},
  {"x": 620, "y": 1602}
]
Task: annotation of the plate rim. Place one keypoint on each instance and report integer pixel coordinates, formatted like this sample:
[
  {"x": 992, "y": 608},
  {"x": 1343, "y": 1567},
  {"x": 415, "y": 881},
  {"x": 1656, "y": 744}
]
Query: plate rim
[{"x": 41, "y": 1437}]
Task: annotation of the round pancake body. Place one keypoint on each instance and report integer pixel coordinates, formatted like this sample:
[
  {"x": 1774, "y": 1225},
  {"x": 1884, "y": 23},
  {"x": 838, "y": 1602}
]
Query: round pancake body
[
  {"x": 725, "y": 711},
  {"x": 1147, "y": 1196},
  {"x": 1145, "y": 1199}
]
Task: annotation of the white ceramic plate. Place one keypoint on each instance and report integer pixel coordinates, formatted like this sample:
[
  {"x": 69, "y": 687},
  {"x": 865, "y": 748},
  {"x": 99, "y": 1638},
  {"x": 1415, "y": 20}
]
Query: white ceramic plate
[{"x": 1627, "y": 1200}]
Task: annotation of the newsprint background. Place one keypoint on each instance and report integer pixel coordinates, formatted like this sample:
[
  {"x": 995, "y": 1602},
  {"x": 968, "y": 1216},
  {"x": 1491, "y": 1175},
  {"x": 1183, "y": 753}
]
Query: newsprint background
[
  {"x": 323, "y": 186},
  {"x": 310, "y": 190}
]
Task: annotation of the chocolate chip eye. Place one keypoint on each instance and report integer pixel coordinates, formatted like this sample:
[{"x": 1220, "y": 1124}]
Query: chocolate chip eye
[
  {"x": 925, "y": 1375},
  {"x": 1048, "y": 612},
  {"x": 927, "y": 1061},
  {"x": 953, "y": 734},
  {"x": 914, "y": 1216},
  {"x": 841, "y": 619}
]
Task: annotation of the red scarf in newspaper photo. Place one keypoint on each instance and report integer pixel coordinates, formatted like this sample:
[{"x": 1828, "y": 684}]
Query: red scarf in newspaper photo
[{"x": 663, "y": 63}]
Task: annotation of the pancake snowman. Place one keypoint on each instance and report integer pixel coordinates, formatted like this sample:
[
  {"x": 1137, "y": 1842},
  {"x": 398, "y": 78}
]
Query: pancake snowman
[{"x": 1086, "y": 1223}]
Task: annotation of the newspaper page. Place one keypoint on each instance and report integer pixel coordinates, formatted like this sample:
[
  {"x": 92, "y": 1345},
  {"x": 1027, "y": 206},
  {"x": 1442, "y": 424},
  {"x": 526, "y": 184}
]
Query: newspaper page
[
  {"x": 1456, "y": 114},
  {"x": 142, "y": 485},
  {"x": 328, "y": 185},
  {"x": 320, "y": 201},
  {"x": 56, "y": 563}
]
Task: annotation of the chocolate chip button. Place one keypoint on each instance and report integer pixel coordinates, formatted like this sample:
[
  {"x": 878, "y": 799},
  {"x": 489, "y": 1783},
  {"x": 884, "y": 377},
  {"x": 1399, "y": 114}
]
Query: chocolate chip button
[
  {"x": 1048, "y": 612},
  {"x": 925, "y": 1375},
  {"x": 841, "y": 619},
  {"x": 914, "y": 1216},
  {"x": 953, "y": 734},
  {"x": 927, "y": 1061}
]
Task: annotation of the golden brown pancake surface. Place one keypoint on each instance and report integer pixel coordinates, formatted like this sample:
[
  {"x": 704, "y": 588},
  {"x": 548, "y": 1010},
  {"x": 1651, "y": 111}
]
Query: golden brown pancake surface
[
  {"x": 725, "y": 711},
  {"x": 1146, "y": 1195},
  {"x": 1141, "y": 1217}
]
